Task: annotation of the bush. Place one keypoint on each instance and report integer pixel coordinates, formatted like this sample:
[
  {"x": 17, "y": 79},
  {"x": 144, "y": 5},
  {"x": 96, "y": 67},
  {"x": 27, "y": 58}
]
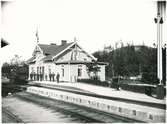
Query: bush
[
  {"x": 149, "y": 78},
  {"x": 10, "y": 87},
  {"x": 134, "y": 88},
  {"x": 20, "y": 81},
  {"x": 114, "y": 83},
  {"x": 148, "y": 90}
]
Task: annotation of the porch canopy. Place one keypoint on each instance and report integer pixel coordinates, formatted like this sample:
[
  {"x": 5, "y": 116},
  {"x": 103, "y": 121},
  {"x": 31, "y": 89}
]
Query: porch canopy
[{"x": 80, "y": 62}]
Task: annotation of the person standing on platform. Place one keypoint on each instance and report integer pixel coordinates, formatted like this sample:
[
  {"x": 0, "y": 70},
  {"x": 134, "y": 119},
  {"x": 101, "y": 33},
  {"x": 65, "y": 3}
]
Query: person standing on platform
[
  {"x": 50, "y": 76},
  {"x": 57, "y": 77},
  {"x": 53, "y": 76}
]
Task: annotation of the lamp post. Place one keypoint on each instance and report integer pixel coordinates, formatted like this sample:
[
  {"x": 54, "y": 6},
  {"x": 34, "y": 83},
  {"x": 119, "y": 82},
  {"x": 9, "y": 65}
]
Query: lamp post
[{"x": 161, "y": 6}]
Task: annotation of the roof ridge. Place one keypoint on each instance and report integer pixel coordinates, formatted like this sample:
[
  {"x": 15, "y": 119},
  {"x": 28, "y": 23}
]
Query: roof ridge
[{"x": 55, "y": 43}]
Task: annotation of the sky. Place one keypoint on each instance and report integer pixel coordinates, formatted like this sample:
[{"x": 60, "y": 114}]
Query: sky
[{"x": 94, "y": 23}]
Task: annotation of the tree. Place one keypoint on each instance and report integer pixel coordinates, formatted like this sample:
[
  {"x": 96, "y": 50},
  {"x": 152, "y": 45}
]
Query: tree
[
  {"x": 16, "y": 60},
  {"x": 149, "y": 65},
  {"x": 93, "y": 67},
  {"x": 119, "y": 61},
  {"x": 16, "y": 70},
  {"x": 6, "y": 69},
  {"x": 130, "y": 60}
]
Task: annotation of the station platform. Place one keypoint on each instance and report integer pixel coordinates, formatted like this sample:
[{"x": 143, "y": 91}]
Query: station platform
[{"x": 104, "y": 91}]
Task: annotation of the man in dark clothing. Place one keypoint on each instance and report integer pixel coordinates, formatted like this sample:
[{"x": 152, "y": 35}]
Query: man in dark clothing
[
  {"x": 31, "y": 76},
  {"x": 118, "y": 83},
  {"x": 53, "y": 76},
  {"x": 57, "y": 77},
  {"x": 50, "y": 76}
]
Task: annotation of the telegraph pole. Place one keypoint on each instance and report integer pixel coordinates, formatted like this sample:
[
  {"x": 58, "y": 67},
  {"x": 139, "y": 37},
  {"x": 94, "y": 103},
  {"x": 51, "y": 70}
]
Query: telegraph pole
[{"x": 161, "y": 8}]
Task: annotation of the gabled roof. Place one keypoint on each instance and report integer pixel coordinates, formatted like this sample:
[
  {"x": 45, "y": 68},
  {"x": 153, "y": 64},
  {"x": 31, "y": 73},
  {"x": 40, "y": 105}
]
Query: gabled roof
[{"x": 53, "y": 49}]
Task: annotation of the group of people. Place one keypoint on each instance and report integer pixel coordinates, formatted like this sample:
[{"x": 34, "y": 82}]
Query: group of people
[
  {"x": 42, "y": 77},
  {"x": 52, "y": 77}
]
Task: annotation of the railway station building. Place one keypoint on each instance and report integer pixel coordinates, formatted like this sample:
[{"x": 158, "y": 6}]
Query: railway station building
[{"x": 68, "y": 60}]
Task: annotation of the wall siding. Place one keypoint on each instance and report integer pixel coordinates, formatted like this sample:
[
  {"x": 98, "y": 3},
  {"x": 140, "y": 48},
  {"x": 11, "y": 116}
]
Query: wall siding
[{"x": 81, "y": 56}]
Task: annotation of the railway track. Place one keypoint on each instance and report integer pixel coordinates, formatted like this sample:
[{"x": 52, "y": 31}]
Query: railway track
[
  {"x": 12, "y": 116},
  {"x": 89, "y": 115}
]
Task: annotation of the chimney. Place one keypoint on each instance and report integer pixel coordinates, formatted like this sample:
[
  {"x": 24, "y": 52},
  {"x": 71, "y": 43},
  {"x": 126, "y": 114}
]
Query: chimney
[
  {"x": 63, "y": 42},
  {"x": 53, "y": 44}
]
